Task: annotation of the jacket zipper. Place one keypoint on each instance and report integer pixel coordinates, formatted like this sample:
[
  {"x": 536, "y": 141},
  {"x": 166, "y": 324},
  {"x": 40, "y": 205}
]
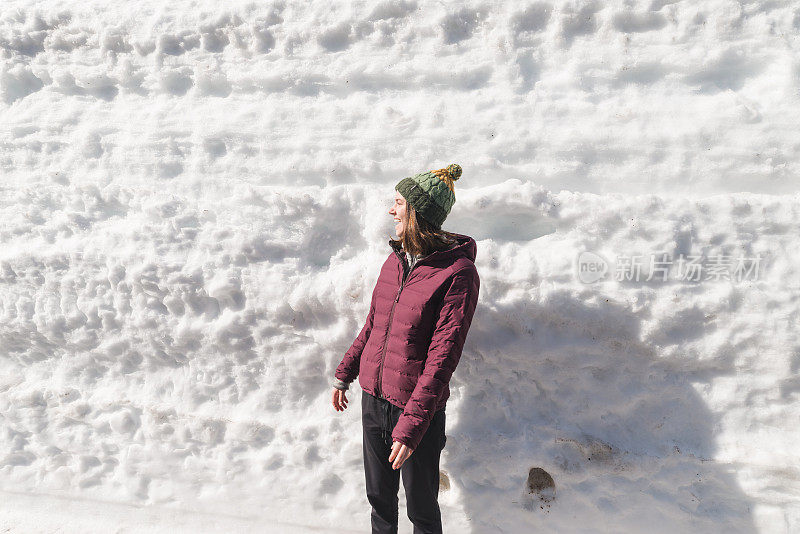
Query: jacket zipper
[{"x": 389, "y": 326}]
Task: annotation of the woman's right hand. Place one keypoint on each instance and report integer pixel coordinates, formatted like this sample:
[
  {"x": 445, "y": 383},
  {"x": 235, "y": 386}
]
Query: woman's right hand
[{"x": 339, "y": 399}]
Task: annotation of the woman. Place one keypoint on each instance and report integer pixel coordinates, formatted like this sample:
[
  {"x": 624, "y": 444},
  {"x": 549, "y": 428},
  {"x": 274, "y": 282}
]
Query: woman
[{"x": 421, "y": 309}]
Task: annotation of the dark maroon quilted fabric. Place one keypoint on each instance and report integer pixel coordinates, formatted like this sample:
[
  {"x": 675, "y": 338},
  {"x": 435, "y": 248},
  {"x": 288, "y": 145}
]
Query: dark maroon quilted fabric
[{"x": 414, "y": 334}]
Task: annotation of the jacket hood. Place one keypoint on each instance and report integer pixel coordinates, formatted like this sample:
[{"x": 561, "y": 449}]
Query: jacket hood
[{"x": 465, "y": 247}]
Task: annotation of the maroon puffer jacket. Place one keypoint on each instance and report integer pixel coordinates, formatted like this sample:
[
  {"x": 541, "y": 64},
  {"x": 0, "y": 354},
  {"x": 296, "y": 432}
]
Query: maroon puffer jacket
[{"x": 414, "y": 333}]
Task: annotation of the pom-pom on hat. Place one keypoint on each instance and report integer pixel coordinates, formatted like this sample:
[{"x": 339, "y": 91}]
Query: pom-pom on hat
[{"x": 431, "y": 193}]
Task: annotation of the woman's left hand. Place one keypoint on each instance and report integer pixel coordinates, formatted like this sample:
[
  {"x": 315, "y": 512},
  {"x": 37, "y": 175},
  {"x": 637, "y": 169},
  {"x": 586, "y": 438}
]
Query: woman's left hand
[{"x": 400, "y": 452}]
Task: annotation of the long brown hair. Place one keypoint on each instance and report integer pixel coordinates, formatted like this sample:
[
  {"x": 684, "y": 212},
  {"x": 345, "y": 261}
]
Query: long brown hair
[{"x": 421, "y": 237}]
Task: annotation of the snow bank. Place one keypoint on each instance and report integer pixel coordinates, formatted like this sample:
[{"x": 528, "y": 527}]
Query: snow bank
[
  {"x": 170, "y": 354},
  {"x": 655, "y": 96},
  {"x": 193, "y": 213}
]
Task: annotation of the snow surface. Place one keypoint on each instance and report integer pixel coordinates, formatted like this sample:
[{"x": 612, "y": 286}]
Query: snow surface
[{"x": 193, "y": 211}]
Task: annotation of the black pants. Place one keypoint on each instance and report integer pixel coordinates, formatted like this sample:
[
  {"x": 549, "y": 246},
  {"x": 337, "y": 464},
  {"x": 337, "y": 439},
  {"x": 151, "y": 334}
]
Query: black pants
[{"x": 420, "y": 470}]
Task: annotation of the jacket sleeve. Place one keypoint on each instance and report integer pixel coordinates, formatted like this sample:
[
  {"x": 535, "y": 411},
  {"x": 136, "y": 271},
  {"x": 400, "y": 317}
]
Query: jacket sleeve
[
  {"x": 444, "y": 352},
  {"x": 347, "y": 371}
]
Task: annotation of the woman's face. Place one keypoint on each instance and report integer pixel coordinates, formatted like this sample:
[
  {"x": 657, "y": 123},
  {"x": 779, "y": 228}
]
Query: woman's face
[{"x": 398, "y": 211}]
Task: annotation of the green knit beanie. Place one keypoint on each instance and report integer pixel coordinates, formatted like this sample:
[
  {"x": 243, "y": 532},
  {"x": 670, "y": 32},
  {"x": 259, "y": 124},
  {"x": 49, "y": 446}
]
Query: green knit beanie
[{"x": 431, "y": 193}]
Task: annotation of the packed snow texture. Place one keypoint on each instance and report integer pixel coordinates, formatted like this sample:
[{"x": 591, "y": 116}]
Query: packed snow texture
[{"x": 193, "y": 212}]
